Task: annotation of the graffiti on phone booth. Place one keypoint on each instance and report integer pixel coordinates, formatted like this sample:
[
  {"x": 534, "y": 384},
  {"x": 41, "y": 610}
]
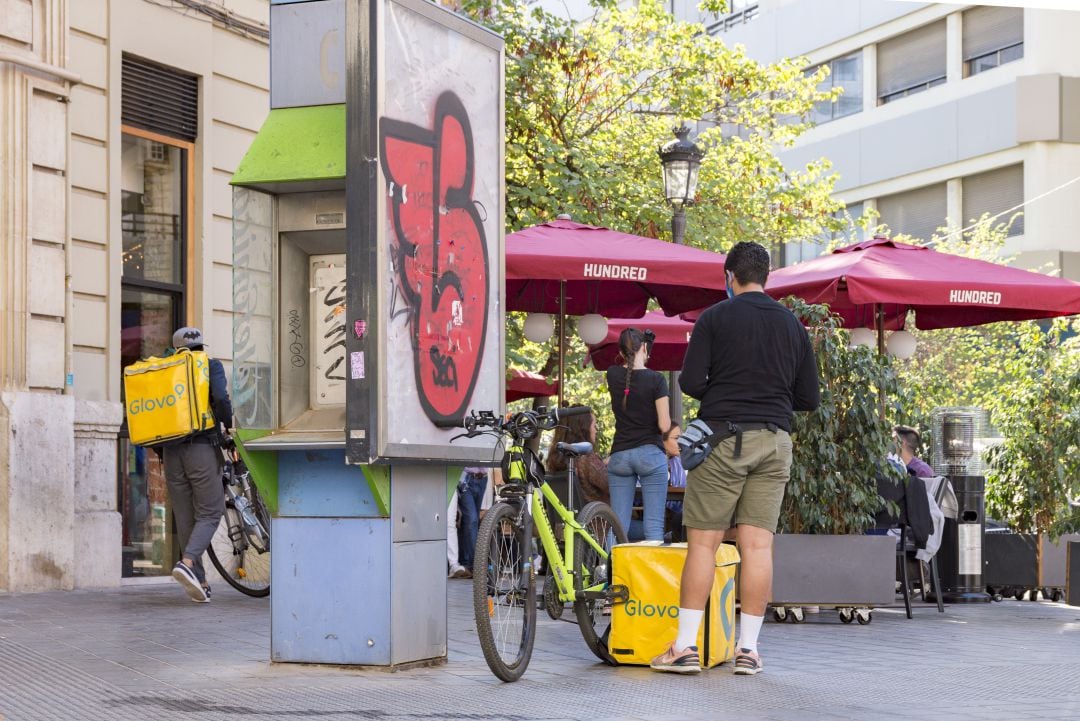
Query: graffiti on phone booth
[{"x": 439, "y": 251}]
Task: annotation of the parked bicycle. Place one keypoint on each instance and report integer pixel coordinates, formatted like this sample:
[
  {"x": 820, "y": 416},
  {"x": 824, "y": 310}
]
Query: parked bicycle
[
  {"x": 240, "y": 549},
  {"x": 504, "y": 572}
]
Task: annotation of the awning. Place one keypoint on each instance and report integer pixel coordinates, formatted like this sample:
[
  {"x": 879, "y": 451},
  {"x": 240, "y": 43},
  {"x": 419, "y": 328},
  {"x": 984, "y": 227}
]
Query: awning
[{"x": 297, "y": 150}]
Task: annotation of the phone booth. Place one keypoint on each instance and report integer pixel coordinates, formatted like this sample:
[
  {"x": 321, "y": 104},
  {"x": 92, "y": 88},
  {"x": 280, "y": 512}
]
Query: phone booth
[{"x": 367, "y": 314}]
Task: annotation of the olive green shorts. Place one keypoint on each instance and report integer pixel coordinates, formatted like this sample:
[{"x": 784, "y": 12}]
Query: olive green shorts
[{"x": 725, "y": 491}]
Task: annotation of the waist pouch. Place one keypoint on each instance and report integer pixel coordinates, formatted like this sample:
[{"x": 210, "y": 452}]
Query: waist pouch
[{"x": 698, "y": 440}]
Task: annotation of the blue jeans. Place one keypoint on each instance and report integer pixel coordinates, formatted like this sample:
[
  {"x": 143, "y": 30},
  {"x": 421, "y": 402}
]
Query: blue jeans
[
  {"x": 647, "y": 465},
  {"x": 470, "y": 498}
]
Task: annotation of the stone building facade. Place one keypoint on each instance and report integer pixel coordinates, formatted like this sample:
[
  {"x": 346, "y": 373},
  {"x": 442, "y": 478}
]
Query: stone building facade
[{"x": 121, "y": 122}]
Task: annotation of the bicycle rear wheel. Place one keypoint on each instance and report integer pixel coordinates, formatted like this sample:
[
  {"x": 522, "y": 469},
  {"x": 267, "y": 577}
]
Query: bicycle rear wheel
[
  {"x": 243, "y": 564},
  {"x": 592, "y": 568},
  {"x": 504, "y": 592}
]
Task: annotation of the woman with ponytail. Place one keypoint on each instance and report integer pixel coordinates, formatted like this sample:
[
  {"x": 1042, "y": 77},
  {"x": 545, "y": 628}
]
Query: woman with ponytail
[{"x": 639, "y": 399}]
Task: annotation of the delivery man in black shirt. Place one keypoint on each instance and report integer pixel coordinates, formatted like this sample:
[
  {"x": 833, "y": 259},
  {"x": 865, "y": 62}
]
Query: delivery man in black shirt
[{"x": 750, "y": 363}]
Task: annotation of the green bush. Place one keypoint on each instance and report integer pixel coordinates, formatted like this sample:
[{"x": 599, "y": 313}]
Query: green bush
[
  {"x": 840, "y": 447},
  {"x": 1035, "y": 469}
]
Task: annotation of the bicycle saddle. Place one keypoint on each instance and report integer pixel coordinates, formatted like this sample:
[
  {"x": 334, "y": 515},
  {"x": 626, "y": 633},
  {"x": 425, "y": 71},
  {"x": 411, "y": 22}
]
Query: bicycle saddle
[{"x": 574, "y": 449}]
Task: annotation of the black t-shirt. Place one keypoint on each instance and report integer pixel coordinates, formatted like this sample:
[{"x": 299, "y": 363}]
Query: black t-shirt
[
  {"x": 636, "y": 425},
  {"x": 750, "y": 360}
]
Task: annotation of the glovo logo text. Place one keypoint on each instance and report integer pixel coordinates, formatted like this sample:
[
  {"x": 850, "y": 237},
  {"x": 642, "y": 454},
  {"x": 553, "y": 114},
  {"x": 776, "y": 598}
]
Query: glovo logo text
[
  {"x": 635, "y": 607},
  {"x": 149, "y": 405}
]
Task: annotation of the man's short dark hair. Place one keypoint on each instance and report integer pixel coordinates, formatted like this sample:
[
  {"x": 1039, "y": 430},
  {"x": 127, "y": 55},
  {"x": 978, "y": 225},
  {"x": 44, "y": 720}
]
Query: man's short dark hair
[
  {"x": 749, "y": 262},
  {"x": 909, "y": 436}
]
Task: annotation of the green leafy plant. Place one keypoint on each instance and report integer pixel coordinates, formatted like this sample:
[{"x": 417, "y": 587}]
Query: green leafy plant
[
  {"x": 1035, "y": 468},
  {"x": 840, "y": 447}
]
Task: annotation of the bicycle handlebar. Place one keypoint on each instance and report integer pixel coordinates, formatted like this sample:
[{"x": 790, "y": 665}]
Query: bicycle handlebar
[{"x": 521, "y": 425}]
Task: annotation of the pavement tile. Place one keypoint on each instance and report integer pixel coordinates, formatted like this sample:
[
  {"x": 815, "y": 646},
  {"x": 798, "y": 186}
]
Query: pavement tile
[{"x": 118, "y": 654}]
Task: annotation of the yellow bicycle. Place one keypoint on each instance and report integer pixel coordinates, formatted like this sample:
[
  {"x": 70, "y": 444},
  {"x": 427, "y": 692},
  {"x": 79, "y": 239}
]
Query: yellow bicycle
[{"x": 504, "y": 573}]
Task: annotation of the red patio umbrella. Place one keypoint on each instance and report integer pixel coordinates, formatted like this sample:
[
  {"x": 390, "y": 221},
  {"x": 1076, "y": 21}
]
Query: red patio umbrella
[
  {"x": 672, "y": 337},
  {"x": 880, "y": 280},
  {"x": 569, "y": 268},
  {"x": 597, "y": 270},
  {"x": 523, "y": 384}
]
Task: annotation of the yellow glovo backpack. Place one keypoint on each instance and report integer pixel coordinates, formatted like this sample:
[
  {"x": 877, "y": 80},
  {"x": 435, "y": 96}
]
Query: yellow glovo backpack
[{"x": 168, "y": 398}]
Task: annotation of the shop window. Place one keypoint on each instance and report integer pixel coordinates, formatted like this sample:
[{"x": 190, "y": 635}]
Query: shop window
[{"x": 158, "y": 115}]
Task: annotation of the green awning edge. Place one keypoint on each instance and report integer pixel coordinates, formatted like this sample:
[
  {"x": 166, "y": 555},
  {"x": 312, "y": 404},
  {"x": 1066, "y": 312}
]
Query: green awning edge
[
  {"x": 296, "y": 145},
  {"x": 378, "y": 478},
  {"x": 263, "y": 466}
]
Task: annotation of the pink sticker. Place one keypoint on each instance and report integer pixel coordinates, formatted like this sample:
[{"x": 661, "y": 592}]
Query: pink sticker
[{"x": 360, "y": 328}]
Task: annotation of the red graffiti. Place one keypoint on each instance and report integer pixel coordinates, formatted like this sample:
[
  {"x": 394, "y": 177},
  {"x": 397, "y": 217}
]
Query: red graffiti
[{"x": 440, "y": 252}]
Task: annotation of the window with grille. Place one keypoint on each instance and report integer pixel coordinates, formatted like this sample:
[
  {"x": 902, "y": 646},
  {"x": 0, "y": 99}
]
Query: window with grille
[
  {"x": 993, "y": 192},
  {"x": 911, "y": 63},
  {"x": 993, "y": 36},
  {"x": 918, "y": 213},
  {"x": 846, "y": 73},
  {"x": 158, "y": 98}
]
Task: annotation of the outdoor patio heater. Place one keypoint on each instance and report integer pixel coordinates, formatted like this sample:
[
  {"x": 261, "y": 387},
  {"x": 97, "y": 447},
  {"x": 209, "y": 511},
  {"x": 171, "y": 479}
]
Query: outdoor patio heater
[{"x": 957, "y": 433}]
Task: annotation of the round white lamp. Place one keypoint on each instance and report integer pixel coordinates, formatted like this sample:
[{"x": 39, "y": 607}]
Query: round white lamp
[
  {"x": 862, "y": 336},
  {"x": 539, "y": 327},
  {"x": 901, "y": 344},
  {"x": 592, "y": 328}
]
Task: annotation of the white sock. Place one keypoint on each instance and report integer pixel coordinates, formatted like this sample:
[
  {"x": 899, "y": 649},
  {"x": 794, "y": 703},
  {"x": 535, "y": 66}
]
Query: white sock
[
  {"x": 689, "y": 623},
  {"x": 749, "y": 627}
]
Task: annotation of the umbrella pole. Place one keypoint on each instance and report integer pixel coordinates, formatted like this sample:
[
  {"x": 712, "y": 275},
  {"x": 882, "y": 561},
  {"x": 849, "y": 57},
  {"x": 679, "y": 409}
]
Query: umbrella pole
[
  {"x": 562, "y": 341},
  {"x": 879, "y": 325}
]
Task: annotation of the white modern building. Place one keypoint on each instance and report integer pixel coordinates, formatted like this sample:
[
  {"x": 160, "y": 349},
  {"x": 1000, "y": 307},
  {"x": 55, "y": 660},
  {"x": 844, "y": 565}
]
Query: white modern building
[
  {"x": 121, "y": 123},
  {"x": 948, "y": 111}
]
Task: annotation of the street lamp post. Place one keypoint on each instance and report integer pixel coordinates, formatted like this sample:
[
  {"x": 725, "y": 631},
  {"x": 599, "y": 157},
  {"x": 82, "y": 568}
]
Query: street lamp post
[{"x": 681, "y": 159}]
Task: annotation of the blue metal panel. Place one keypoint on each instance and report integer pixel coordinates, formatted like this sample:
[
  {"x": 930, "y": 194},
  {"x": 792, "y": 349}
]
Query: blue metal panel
[
  {"x": 318, "y": 483},
  {"x": 331, "y": 599}
]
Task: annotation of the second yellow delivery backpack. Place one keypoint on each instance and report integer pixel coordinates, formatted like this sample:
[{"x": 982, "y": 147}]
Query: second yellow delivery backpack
[{"x": 168, "y": 398}]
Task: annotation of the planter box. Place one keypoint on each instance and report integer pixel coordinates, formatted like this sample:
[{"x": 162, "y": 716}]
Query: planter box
[
  {"x": 822, "y": 570},
  {"x": 1055, "y": 559},
  {"x": 1072, "y": 574},
  {"x": 1009, "y": 561}
]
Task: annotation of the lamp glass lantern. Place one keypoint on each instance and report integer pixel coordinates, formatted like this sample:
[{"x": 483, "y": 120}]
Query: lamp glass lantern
[{"x": 681, "y": 159}]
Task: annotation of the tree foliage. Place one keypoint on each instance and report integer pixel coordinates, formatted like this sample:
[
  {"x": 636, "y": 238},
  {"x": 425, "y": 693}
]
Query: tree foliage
[
  {"x": 840, "y": 447},
  {"x": 588, "y": 105},
  {"x": 1026, "y": 375},
  {"x": 1035, "y": 468}
]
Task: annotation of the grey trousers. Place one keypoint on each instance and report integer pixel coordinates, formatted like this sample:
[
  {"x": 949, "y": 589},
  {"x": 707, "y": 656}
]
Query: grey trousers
[{"x": 193, "y": 473}]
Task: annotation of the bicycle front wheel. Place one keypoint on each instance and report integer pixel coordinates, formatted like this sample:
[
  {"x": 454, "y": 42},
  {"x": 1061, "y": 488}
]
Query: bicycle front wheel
[
  {"x": 593, "y": 569},
  {"x": 504, "y": 592},
  {"x": 244, "y": 565}
]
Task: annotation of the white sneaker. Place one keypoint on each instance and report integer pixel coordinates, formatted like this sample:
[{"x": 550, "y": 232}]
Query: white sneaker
[{"x": 459, "y": 571}]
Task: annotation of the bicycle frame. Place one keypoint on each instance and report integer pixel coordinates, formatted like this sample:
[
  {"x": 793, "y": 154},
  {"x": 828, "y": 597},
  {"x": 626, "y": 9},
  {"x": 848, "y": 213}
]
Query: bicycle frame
[{"x": 559, "y": 562}]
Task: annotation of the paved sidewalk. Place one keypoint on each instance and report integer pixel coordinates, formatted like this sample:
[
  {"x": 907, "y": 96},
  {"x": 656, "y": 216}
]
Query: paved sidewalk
[{"x": 148, "y": 653}]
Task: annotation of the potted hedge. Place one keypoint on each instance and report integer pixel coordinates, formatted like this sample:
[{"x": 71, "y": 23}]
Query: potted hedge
[
  {"x": 1034, "y": 472},
  {"x": 822, "y": 555}
]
